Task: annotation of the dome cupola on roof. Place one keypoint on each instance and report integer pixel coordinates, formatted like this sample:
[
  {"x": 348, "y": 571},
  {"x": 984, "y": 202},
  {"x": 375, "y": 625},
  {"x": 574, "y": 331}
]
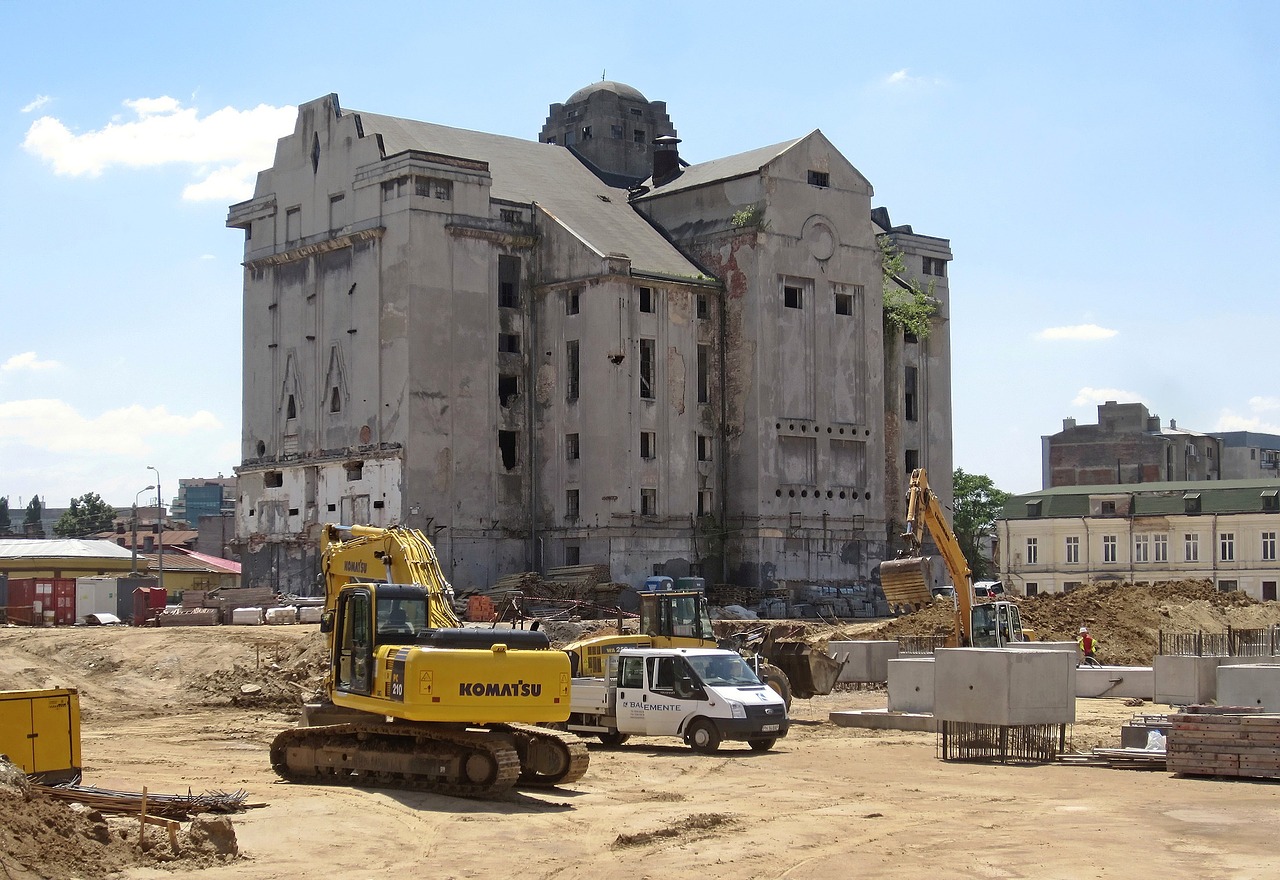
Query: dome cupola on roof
[{"x": 622, "y": 90}]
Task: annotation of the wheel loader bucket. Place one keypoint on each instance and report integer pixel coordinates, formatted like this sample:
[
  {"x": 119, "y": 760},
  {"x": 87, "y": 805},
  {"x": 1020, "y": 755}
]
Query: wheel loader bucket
[
  {"x": 811, "y": 672},
  {"x": 906, "y": 582}
]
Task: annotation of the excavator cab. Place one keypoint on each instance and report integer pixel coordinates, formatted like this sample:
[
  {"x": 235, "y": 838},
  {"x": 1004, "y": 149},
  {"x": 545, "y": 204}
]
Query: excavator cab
[
  {"x": 675, "y": 615},
  {"x": 995, "y": 624}
]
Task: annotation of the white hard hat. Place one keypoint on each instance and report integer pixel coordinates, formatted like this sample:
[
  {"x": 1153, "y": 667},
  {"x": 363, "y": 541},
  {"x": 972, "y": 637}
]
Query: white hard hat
[{"x": 1084, "y": 629}]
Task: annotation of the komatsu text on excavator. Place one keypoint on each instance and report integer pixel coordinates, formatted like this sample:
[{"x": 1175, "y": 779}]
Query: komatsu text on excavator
[
  {"x": 905, "y": 580},
  {"x": 414, "y": 700}
]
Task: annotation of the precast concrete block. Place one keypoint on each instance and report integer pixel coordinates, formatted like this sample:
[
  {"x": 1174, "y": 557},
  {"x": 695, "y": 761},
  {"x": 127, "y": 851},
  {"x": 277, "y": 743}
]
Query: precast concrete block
[
  {"x": 1004, "y": 686},
  {"x": 1068, "y": 647},
  {"x": 864, "y": 661},
  {"x": 911, "y": 684},
  {"x": 1186, "y": 681},
  {"x": 1116, "y": 681},
  {"x": 1250, "y": 685}
]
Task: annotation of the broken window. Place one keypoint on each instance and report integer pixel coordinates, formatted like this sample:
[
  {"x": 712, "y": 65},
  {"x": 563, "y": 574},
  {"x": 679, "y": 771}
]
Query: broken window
[
  {"x": 509, "y": 343},
  {"x": 704, "y": 371},
  {"x": 291, "y": 408},
  {"x": 646, "y": 299},
  {"x": 509, "y": 215},
  {"x": 844, "y": 304},
  {"x": 508, "y": 282},
  {"x": 647, "y": 365},
  {"x": 586, "y": 132},
  {"x": 335, "y": 400},
  {"x": 571, "y": 448},
  {"x": 508, "y": 388},
  {"x": 909, "y": 394},
  {"x": 355, "y": 470},
  {"x": 273, "y": 479},
  {"x": 571, "y": 504},
  {"x": 571, "y": 369},
  {"x": 648, "y": 502},
  {"x": 507, "y": 444},
  {"x": 819, "y": 178},
  {"x": 792, "y": 297},
  {"x": 572, "y": 301},
  {"x": 648, "y": 444},
  {"x": 704, "y": 502},
  {"x": 912, "y": 459},
  {"x": 704, "y": 448}
]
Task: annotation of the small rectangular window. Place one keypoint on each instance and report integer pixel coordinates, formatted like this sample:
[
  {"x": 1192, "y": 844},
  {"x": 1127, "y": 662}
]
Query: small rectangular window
[
  {"x": 273, "y": 479},
  {"x": 1109, "y": 548},
  {"x": 1033, "y": 589},
  {"x": 1269, "y": 546},
  {"x": 1141, "y": 548},
  {"x": 508, "y": 389},
  {"x": 509, "y": 215},
  {"x": 844, "y": 304},
  {"x": 572, "y": 554},
  {"x": 616, "y": 132},
  {"x": 646, "y": 299},
  {"x": 792, "y": 297},
  {"x": 909, "y": 394},
  {"x": 1034, "y": 508},
  {"x": 573, "y": 301},
  {"x": 571, "y": 450},
  {"x": 704, "y": 374},
  {"x": 508, "y": 282},
  {"x": 508, "y": 445},
  {"x": 1271, "y": 500},
  {"x": 819, "y": 178},
  {"x": 551, "y": 140},
  {"x": 1191, "y": 547},
  {"x": 1033, "y": 551},
  {"x": 1159, "y": 548},
  {"x": 1227, "y": 547},
  {"x": 704, "y": 502},
  {"x": 1073, "y": 551},
  {"x": 337, "y": 212},
  {"x": 648, "y": 444},
  {"x": 355, "y": 471},
  {"x": 704, "y": 447},
  {"x": 648, "y": 502},
  {"x": 571, "y": 369},
  {"x": 509, "y": 343},
  {"x": 647, "y": 368},
  {"x": 571, "y": 504},
  {"x": 293, "y": 224},
  {"x": 638, "y": 136},
  {"x": 912, "y": 459},
  {"x": 422, "y": 186},
  {"x": 702, "y": 305},
  {"x": 1191, "y": 502},
  {"x": 444, "y": 190}
]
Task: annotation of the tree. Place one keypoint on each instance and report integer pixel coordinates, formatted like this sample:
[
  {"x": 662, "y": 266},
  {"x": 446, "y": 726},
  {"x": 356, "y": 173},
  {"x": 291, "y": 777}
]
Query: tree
[
  {"x": 31, "y": 522},
  {"x": 907, "y": 307},
  {"x": 977, "y": 505},
  {"x": 87, "y": 514},
  {"x": 6, "y": 524}
]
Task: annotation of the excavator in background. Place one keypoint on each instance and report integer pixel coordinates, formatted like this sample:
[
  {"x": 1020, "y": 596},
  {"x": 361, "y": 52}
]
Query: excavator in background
[
  {"x": 680, "y": 619},
  {"x": 905, "y": 580},
  {"x": 413, "y": 700}
]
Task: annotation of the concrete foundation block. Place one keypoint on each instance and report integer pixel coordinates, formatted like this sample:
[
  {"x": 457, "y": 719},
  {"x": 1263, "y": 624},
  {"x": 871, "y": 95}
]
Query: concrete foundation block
[
  {"x": 1116, "y": 681},
  {"x": 1003, "y": 686},
  {"x": 881, "y": 719},
  {"x": 864, "y": 661},
  {"x": 911, "y": 684},
  {"x": 1066, "y": 647},
  {"x": 1186, "y": 681},
  {"x": 1250, "y": 685}
]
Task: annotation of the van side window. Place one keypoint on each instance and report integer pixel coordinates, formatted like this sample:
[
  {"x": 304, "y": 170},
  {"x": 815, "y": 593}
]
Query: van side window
[
  {"x": 631, "y": 673},
  {"x": 664, "y": 674}
]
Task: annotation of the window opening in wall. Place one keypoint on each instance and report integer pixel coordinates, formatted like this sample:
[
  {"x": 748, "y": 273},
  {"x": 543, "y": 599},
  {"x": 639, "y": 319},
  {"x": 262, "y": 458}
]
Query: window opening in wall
[
  {"x": 1159, "y": 548},
  {"x": 586, "y": 132},
  {"x": 909, "y": 391},
  {"x": 337, "y": 216},
  {"x": 422, "y": 186},
  {"x": 636, "y": 111},
  {"x": 648, "y": 444},
  {"x": 1191, "y": 502},
  {"x": 1073, "y": 550},
  {"x": 912, "y": 459},
  {"x": 844, "y": 304},
  {"x": 616, "y": 132},
  {"x": 444, "y": 189},
  {"x": 646, "y": 299},
  {"x": 1106, "y": 508},
  {"x": 507, "y": 444},
  {"x": 551, "y": 140},
  {"x": 647, "y": 365},
  {"x": 1141, "y": 548},
  {"x": 355, "y": 470},
  {"x": 1228, "y": 586},
  {"x": 509, "y": 343},
  {"x": 1269, "y": 546},
  {"x": 571, "y": 369},
  {"x": 704, "y": 374},
  {"x": 1109, "y": 551},
  {"x": 293, "y": 224},
  {"x": 509, "y": 215},
  {"x": 508, "y": 389},
  {"x": 819, "y": 178},
  {"x": 792, "y": 297},
  {"x": 571, "y": 504},
  {"x": 1227, "y": 547},
  {"x": 910, "y": 337},
  {"x": 1033, "y": 551},
  {"x": 702, "y": 305},
  {"x": 335, "y": 400},
  {"x": 638, "y": 135},
  {"x": 573, "y": 301},
  {"x": 572, "y": 554},
  {"x": 1070, "y": 586},
  {"x": 571, "y": 449},
  {"x": 1033, "y": 589},
  {"x": 291, "y": 408},
  {"x": 704, "y": 448},
  {"x": 704, "y": 502},
  {"x": 1271, "y": 500},
  {"x": 331, "y": 507},
  {"x": 508, "y": 281},
  {"x": 648, "y": 502},
  {"x": 1034, "y": 507},
  {"x": 569, "y": 138},
  {"x": 273, "y": 479},
  {"x": 1191, "y": 547}
]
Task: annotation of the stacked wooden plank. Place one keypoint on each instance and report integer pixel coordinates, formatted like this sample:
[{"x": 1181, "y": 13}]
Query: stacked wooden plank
[
  {"x": 227, "y": 599},
  {"x": 1224, "y": 741},
  {"x": 732, "y": 594}
]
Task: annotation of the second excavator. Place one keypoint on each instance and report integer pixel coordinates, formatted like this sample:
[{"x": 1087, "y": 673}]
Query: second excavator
[{"x": 411, "y": 699}]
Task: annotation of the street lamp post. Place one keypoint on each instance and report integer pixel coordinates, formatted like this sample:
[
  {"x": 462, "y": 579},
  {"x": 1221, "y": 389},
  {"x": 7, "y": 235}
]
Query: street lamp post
[
  {"x": 159, "y": 530},
  {"x": 134, "y": 571}
]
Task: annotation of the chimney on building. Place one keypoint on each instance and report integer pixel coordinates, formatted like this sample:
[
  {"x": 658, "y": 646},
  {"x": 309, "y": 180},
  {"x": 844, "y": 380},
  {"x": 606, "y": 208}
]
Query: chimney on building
[
  {"x": 1153, "y": 424},
  {"x": 1068, "y": 424},
  {"x": 666, "y": 159},
  {"x": 1173, "y": 424}
]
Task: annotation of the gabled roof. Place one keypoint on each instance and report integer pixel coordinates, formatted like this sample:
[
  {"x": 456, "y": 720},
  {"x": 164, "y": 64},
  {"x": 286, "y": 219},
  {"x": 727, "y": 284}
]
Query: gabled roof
[
  {"x": 60, "y": 548},
  {"x": 1149, "y": 499},
  {"x": 727, "y": 168},
  {"x": 527, "y": 171}
]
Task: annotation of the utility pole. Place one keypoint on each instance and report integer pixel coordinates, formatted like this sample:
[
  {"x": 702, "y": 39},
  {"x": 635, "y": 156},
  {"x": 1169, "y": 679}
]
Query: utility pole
[
  {"x": 159, "y": 529},
  {"x": 134, "y": 542}
]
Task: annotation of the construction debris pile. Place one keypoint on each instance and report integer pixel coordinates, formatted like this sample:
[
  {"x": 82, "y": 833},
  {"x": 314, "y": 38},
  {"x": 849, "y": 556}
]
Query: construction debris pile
[
  {"x": 582, "y": 591},
  {"x": 45, "y": 837},
  {"x": 1125, "y": 618}
]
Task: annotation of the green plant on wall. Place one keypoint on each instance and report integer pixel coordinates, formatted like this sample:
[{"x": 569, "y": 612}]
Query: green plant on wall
[
  {"x": 907, "y": 307},
  {"x": 751, "y": 215}
]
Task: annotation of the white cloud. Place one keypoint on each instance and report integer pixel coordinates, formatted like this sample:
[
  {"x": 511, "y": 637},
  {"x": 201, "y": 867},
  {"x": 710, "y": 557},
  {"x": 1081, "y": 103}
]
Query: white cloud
[
  {"x": 1264, "y": 404},
  {"x": 1091, "y": 396},
  {"x": 55, "y": 426},
  {"x": 903, "y": 79},
  {"x": 27, "y": 361},
  {"x": 35, "y": 105},
  {"x": 225, "y": 148},
  {"x": 1261, "y": 417},
  {"x": 1077, "y": 333}
]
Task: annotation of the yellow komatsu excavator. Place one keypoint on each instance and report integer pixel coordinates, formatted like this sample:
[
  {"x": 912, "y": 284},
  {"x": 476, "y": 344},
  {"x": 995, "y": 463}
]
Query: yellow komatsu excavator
[
  {"x": 411, "y": 699},
  {"x": 905, "y": 580}
]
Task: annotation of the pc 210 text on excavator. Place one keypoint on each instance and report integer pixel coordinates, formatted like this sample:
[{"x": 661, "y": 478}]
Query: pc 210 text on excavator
[{"x": 413, "y": 700}]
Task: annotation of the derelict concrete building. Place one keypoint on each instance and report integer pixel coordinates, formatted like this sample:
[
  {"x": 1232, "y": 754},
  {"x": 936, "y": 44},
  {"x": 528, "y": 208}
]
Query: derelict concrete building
[{"x": 540, "y": 360}]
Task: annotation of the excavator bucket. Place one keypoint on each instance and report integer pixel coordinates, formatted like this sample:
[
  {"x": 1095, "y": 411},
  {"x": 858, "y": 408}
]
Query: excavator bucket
[
  {"x": 810, "y": 672},
  {"x": 906, "y": 582}
]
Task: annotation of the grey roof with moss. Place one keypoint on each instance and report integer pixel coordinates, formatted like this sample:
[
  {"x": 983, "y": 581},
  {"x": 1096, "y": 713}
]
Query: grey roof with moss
[{"x": 1149, "y": 499}]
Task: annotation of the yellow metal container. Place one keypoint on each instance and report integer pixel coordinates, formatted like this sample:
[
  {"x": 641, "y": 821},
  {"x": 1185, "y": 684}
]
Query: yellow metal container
[{"x": 40, "y": 732}]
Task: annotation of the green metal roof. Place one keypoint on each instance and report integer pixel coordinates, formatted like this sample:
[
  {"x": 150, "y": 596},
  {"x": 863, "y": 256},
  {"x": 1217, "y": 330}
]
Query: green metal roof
[{"x": 1149, "y": 499}]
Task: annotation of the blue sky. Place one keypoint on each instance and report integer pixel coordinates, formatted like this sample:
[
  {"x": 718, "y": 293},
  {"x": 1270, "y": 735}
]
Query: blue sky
[{"x": 1106, "y": 173}]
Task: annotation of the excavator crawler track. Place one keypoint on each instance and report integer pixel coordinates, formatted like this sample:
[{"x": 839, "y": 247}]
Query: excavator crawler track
[
  {"x": 548, "y": 757},
  {"x": 443, "y": 760}
]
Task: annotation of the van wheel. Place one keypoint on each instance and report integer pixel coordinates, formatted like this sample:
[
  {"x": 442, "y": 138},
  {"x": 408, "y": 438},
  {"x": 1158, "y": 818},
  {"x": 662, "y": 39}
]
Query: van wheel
[
  {"x": 761, "y": 745},
  {"x": 702, "y": 736},
  {"x": 614, "y": 739}
]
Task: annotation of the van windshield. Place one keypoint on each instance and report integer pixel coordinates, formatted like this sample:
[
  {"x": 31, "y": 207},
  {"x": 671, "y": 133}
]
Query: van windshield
[{"x": 723, "y": 670}]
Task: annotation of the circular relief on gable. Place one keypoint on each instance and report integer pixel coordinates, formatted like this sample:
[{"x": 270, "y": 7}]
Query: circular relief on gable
[{"x": 820, "y": 237}]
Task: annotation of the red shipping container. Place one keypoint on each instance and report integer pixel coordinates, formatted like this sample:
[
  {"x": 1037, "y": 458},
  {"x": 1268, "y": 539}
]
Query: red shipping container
[{"x": 30, "y": 598}]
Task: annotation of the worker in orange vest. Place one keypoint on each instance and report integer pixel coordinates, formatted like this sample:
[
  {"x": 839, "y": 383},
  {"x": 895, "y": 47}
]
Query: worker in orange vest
[{"x": 1088, "y": 644}]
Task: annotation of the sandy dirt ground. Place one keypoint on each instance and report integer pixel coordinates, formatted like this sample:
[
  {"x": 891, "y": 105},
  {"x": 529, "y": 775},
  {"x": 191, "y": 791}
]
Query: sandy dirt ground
[{"x": 165, "y": 708}]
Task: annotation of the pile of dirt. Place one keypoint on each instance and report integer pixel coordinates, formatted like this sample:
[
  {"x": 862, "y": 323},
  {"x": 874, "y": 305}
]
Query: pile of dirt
[
  {"x": 41, "y": 837},
  {"x": 1126, "y": 619},
  {"x": 282, "y": 674}
]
